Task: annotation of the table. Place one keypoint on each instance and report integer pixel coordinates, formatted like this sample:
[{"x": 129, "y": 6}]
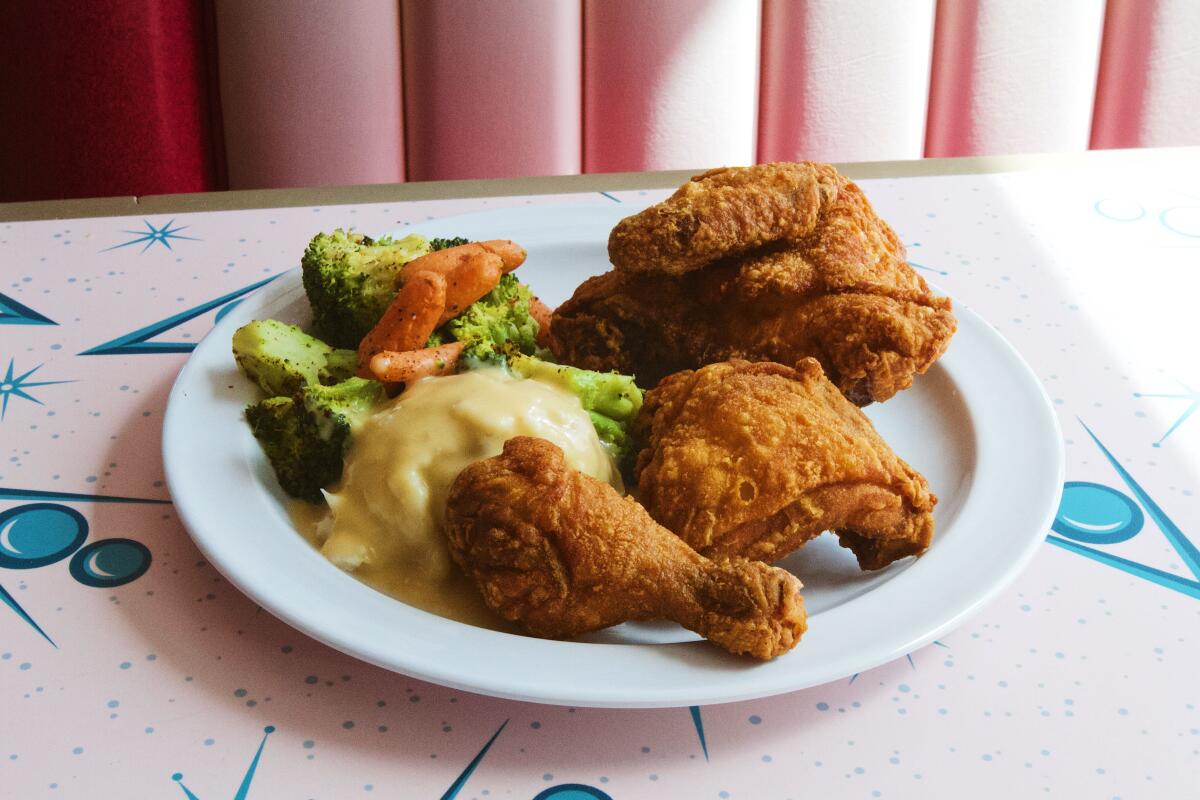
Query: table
[{"x": 130, "y": 668}]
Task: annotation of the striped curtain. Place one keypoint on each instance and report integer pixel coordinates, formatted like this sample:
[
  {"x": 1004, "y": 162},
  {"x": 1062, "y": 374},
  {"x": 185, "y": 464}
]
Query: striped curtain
[{"x": 149, "y": 96}]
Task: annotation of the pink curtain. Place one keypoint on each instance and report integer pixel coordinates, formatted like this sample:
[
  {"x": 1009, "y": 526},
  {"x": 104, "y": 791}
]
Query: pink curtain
[
  {"x": 669, "y": 84},
  {"x": 1013, "y": 76},
  {"x": 105, "y": 97},
  {"x": 492, "y": 90},
  {"x": 1148, "y": 94},
  {"x": 310, "y": 92},
  {"x": 844, "y": 80}
]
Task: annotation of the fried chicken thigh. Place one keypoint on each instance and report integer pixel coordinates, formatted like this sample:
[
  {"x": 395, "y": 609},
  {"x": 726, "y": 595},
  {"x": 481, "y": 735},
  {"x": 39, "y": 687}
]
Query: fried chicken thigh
[
  {"x": 754, "y": 459},
  {"x": 561, "y": 553},
  {"x": 770, "y": 263}
]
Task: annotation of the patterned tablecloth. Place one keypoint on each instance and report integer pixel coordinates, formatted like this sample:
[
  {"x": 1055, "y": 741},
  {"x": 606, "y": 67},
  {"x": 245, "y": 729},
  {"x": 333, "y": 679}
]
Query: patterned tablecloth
[{"x": 130, "y": 669}]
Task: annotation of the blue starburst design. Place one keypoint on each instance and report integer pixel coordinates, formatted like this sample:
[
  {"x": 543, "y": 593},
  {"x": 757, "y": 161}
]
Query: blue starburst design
[
  {"x": 912, "y": 664},
  {"x": 915, "y": 265},
  {"x": 1190, "y": 395},
  {"x": 138, "y": 342},
  {"x": 16, "y": 385},
  {"x": 698, "y": 724},
  {"x": 243, "y": 789},
  {"x": 153, "y": 235},
  {"x": 14, "y": 313},
  {"x": 465, "y": 775}
]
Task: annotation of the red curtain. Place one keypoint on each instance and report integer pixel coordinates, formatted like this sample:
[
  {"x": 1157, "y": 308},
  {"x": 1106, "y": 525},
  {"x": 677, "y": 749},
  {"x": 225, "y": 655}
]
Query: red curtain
[{"x": 107, "y": 97}]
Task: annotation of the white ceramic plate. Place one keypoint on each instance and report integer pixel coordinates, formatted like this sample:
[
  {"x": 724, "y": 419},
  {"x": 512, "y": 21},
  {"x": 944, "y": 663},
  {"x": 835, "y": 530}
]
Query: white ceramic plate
[{"x": 978, "y": 425}]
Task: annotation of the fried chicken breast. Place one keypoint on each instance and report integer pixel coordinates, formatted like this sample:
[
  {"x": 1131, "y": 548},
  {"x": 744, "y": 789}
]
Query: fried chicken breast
[
  {"x": 754, "y": 459},
  {"x": 724, "y": 212},
  {"x": 561, "y": 553},
  {"x": 770, "y": 263}
]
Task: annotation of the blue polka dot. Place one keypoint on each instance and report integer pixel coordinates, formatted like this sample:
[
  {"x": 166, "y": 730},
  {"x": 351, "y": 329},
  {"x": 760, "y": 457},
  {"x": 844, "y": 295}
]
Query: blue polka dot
[
  {"x": 822, "y": 706},
  {"x": 904, "y": 687},
  {"x": 755, "y": 719}
]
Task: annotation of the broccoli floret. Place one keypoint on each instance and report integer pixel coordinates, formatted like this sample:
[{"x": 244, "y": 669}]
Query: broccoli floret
[
  {"x": 305, "y": 436},
  {"x": 350, "y": 279},
  {"x": 497, "y": 324},
  {"x": 282, "y": 359},
  {"x": 612, "y": 400},
  {"x": 442, "y": 244},
  {"x": 339, "y": 366}
]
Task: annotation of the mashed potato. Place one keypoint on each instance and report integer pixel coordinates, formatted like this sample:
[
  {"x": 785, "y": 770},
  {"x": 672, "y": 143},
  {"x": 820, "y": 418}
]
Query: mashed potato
[{"x": 387, "y": 514}]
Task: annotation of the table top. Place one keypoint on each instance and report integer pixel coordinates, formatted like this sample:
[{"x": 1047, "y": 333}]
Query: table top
[{"x": 153, "y": 677}]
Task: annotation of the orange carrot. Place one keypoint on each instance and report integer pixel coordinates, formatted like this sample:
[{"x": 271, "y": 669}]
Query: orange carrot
[
  {"x": 470, "y": 281},
  {"x": 393, "y": 367},
  {"x": 412, "y": 316}
]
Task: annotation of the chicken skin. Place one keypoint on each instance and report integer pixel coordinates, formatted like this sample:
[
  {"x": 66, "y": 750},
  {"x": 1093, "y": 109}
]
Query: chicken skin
[
  {"x": 724, "y": 212},
  {"x": 561, "y": 553},
  {"x": 754, "y": 459},
  {"x": 732, "y": 266}
]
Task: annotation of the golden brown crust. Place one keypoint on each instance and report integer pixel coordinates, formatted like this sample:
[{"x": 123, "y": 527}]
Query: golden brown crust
[
  {"x": 561, "y": 553},
  {"x": 754, "y": 459},
  {"x": 843, "y": 294},
  {"x": 724, "y": 212}
]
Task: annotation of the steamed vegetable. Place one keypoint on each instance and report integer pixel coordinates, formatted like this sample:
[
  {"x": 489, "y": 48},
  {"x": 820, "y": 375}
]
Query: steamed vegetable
[
  {"x": 612, "y": 400},
  {"x": 350, "y": 279},
  {"x": 306, "y": 436},
  {"x": 495, "y": 326},
  {"x": 281, "y": 358}
]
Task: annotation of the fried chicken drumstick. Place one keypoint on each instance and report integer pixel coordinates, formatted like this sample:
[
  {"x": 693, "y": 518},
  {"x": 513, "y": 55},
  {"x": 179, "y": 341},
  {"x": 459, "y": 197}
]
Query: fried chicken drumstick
[
  {"x": 561, "y": 553},
  {"x": 754, "y": 459},
  {"x": 774, "y": 262}
]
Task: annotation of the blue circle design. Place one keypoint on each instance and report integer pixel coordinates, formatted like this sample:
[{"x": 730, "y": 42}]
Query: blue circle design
[
  {"x": 1163, "y": 219},
  {"x": 572, "y": 791},
  {"x": 37, "y": 534},
  {"x": 1097, "y": 514},
  {"x": 1141, "y": 212},
  {"x": 110, "y": 562}
]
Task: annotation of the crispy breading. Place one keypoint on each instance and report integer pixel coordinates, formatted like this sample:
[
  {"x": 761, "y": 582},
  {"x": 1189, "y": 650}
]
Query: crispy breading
[
  {"x": 843, "y": 294},
  {"x": 722, "y": 213},
  {"x": 754, "y": 459},
  {"x": 561, "y": 553}
]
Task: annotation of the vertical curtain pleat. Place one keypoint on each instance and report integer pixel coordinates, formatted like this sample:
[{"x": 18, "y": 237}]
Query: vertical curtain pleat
[
  {"x": 1013, "y": 76},
  {"x": 311, "y": 92},
  {"x": 1149, "y": 87},
  {"x": 844, "y": 80},
  {"x": 492, "y": 90},
  {"x": 104, "y": 97},
  {"x": 669, "y": 84}
]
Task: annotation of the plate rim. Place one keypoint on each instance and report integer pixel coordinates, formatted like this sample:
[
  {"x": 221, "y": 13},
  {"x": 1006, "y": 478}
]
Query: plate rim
[{"x": 342, "y": 636}]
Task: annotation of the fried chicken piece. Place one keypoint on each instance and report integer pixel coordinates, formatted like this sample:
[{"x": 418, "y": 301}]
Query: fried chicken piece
[
  {"x": 754, "y": 459},
  {"x": 843, "y": 294},
  {"x": 724, "y": 212},
  {"x": 561, "y": 553}
]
